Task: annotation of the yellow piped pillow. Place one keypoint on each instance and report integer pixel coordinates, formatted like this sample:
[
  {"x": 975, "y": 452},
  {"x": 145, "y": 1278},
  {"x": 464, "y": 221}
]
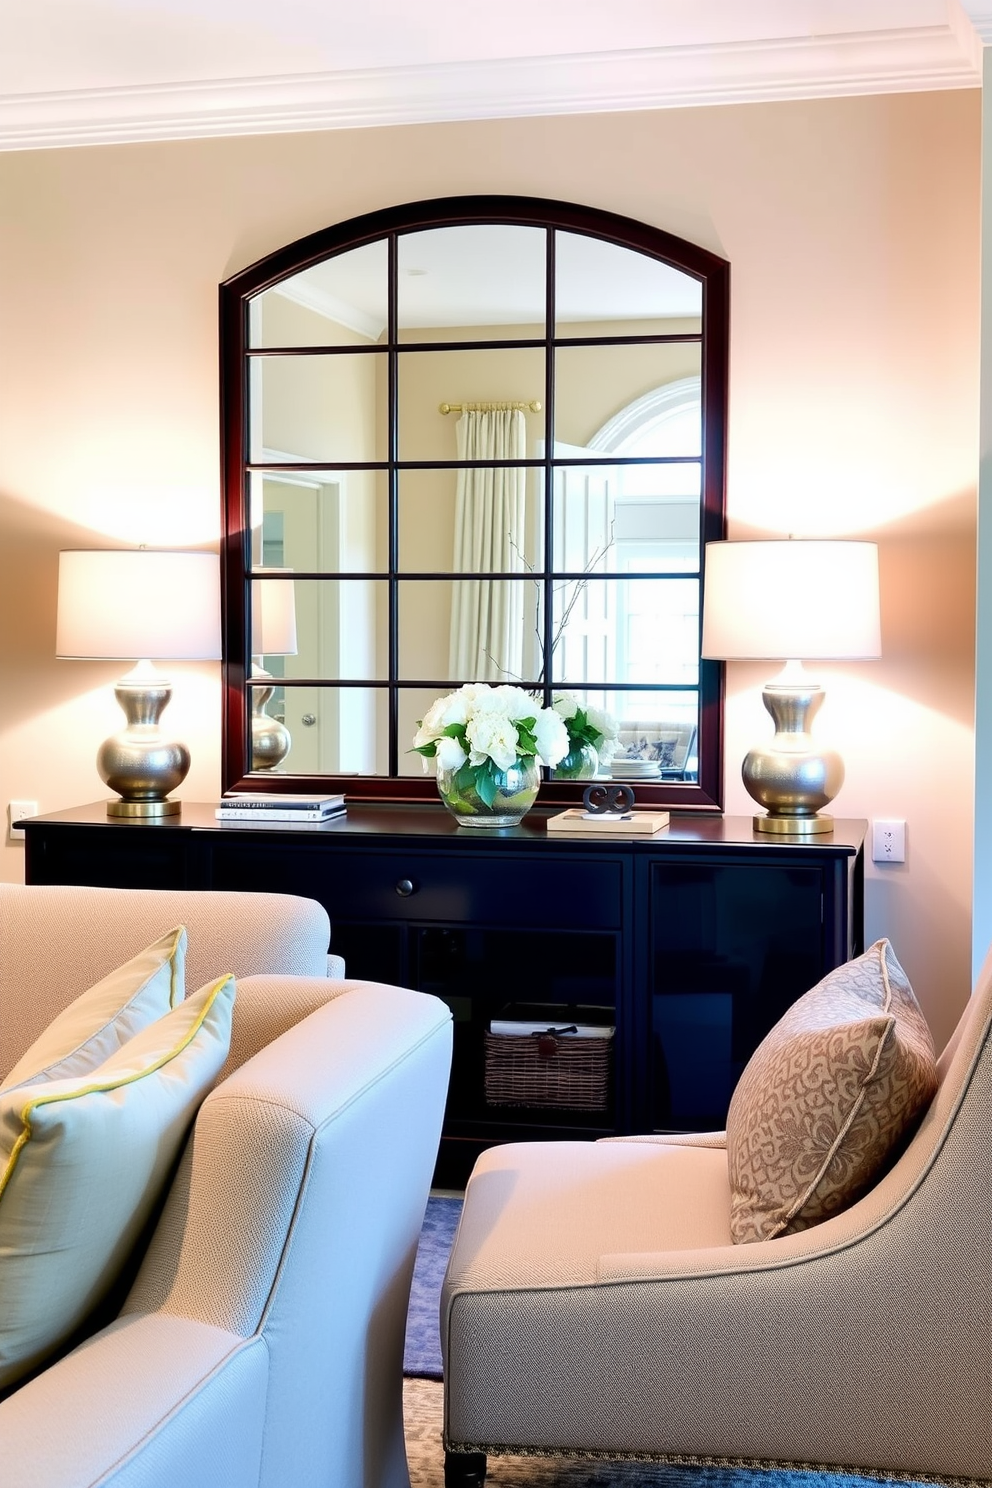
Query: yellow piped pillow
[
  {"x": 82, "y": 1164},
  {"x": 103, "y": 1019}
]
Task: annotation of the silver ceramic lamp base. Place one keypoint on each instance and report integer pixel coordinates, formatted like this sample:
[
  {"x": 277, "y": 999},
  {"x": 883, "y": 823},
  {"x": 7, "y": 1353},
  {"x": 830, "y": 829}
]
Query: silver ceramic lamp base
[
  {"x": 791, "y": 777},
  {"x": 140, "y": 762},
  {"x": 271, "y": 740}
]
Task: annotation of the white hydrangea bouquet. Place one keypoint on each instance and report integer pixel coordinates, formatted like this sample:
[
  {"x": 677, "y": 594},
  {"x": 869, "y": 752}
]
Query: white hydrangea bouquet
[
  {"x": 488, "y": 744},
  {"x": 587, "y": 728}
]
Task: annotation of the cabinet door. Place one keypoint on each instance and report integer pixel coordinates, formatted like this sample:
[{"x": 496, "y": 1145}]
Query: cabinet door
[
  {"x": 97, "y": 857},
  {"x": 730, "y": 946},
  {"x": 552, "y": 978}
]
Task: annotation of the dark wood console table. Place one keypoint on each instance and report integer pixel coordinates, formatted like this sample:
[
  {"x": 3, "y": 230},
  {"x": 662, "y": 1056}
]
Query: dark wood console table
[{"x": 693, "y": 941}]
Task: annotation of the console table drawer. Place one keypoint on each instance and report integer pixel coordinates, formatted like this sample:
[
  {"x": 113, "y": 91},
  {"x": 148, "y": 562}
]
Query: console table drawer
[{"x": 475, "y": 889}]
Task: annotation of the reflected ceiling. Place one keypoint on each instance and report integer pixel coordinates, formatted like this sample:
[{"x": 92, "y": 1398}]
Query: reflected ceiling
[{"x": 447, "y": 281}]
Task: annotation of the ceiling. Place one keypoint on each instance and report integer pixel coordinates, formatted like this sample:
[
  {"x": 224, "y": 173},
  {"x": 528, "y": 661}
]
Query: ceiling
[{"x": 76, "y": 72}]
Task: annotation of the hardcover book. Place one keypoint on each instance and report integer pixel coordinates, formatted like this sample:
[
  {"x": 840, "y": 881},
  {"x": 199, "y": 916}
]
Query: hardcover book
[
  {"x": 631, "y": 824},
  {"x": 247, "y": 801}
]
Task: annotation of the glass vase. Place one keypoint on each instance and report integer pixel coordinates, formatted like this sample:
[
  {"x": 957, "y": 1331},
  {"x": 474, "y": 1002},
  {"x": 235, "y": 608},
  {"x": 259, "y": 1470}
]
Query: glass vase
[
  {"x": 477, "y": 797},
  {"x": 580, "y": 763}
]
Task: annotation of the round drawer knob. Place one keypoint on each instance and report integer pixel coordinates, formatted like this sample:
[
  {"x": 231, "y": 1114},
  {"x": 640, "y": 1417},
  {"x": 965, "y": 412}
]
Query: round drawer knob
[
  {"x": 308, "y": 720},
  {"x": 405, "y": 888}
]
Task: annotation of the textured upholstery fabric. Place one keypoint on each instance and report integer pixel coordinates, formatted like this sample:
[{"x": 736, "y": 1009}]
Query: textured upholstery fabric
[
  {"x": 262, "y": 1341},
  {"x": 862, "y": 1343},
  {"x": 829, "y": 1093},
  {"x": 83, "y": 1160},
  {"x": 297, "y": 1214},
  {"x": 268, "y": 1007},
  {"x": 58, "y": 940},
  {"x": 155, "y": 1402},
  {"x": 534, "y": 1223},
  {"x": 104, "y": 1017}
]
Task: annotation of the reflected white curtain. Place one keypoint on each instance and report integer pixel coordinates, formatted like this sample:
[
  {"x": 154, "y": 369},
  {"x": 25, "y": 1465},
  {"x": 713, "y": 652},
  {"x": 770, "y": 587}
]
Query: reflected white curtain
[{"x": 487, "y": 615}]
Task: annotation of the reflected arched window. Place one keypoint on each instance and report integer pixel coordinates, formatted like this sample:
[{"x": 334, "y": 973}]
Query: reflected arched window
[{"x": 655, "y": 531}]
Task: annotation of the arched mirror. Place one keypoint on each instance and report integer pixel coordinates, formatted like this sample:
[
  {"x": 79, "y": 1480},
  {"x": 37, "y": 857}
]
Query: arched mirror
[{"x": 471, "y": 439}]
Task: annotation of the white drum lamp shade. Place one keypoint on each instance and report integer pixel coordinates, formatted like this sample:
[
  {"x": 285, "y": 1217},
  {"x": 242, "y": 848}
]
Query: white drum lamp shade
[
  {"x": 140, "y": 603},
  {"x": 772, "y": 601},
  {"x": 792, "y": 600},
  {"x": 143, "y": 605}
]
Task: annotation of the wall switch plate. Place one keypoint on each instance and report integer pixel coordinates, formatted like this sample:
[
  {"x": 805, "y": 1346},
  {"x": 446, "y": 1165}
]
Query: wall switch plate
[
  {"x": 888, "y": 841},
  {"x": 16, "y": 812}
]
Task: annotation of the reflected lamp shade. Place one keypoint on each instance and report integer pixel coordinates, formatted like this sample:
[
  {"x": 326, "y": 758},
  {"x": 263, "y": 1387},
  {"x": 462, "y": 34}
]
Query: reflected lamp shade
[
  {"x": 792, "y": 600},
  {"x": 273, "y": 615},
  {"x": 142, "y": 605},
  {"x": 273, "y": 633}
]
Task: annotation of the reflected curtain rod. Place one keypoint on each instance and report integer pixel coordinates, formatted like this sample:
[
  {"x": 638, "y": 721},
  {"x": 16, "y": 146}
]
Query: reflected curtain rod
[{"x": 532, "y": 407}]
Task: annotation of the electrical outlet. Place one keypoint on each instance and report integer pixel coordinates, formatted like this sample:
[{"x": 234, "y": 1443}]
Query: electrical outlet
[
  {"x": 16, "y": 812},
  {"x": 888, "y": 841}
]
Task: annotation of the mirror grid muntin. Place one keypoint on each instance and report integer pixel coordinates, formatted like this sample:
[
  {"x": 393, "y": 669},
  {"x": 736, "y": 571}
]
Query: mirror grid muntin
[{"x": 387, "y": 574}]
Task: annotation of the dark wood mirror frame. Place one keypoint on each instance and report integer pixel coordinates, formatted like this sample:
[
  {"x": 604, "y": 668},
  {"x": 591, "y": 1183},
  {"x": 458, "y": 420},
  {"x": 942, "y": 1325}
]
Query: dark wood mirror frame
[{"x": 705, "y": 793}]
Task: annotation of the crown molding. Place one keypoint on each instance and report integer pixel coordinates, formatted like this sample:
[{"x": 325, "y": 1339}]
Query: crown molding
[
  {"x": 330, "y": 307},
  {"x": 979, "y": 14},
  {"x": 907, "y": 60}
]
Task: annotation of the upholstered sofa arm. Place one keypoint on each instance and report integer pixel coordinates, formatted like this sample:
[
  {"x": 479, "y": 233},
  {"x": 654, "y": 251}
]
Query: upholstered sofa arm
[
  {"x": 266, "y": 1007},
  {"x": 275, "y": 1287},
  {"x": 150, "y": 1399},
  {"x": 296, "y": 1213}
]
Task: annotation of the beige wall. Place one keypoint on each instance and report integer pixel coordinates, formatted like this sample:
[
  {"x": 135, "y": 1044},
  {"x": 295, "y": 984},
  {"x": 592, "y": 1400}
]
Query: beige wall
[
  {"x": 982, "y": 896},
  {"x": 852, "y": 230}
]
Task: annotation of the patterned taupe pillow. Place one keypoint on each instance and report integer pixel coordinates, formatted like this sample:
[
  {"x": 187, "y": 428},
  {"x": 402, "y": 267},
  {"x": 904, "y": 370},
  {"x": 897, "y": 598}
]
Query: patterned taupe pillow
[{"x": 827, "y": 1096}]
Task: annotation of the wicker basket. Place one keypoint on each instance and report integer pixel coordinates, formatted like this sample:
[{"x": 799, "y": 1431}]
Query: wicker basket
[{"x": 539, "y": 1067}]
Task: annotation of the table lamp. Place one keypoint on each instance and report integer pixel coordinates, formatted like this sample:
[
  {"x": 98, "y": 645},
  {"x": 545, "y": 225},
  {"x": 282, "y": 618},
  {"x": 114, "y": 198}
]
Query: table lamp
[
  {"x": 273, "y": 633},
  {"x": 142, "y": 605},
  {"x": 791, "y": 600}
]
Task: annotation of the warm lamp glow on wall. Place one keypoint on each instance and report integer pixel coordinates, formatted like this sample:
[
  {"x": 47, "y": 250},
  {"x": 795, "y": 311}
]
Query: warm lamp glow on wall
[
  {"x": 273, "y": 633},
  {"x": 142, "y": 605},
  {"x": 792, "y": 601}
]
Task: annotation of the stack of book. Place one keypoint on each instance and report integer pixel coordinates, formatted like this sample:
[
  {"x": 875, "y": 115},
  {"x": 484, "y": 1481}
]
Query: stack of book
[{"x": 259, "y": 809}]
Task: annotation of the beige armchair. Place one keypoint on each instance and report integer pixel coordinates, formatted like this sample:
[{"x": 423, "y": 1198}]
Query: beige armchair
[
  {"x": 261, "y": 1341},
  {"x": 595, "y": 1304}
]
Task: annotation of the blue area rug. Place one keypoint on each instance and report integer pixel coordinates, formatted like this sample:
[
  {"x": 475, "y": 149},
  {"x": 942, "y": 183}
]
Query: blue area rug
[{"x": 422, "y": 1353}]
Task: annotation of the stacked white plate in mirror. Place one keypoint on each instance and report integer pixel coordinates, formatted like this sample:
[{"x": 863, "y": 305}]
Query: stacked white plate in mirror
[{"x": 634, "y": 769}]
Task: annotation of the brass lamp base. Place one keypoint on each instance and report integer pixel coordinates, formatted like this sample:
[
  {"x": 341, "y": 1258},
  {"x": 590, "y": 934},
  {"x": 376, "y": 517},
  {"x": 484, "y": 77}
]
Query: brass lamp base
[
  {"x": 141, "y": 762},
  {"x": 794, "y": 826},
  {"x": 147, "y": 809},
  {"x": 791, "y": 777}
]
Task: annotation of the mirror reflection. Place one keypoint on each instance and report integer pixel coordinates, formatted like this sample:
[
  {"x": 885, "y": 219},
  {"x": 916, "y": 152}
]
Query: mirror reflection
[
  {"x": 599, "y": 282},
  {"x": 334, "y": 730},
  {"x": 316, "y": 407},
  {"x": 319, "y": 521},
  {"x": 475, "y": 283},
  {"x": 343, "y": 301},
  {"x": 483, "y": 379},
  {"x": 408, "y": 495}
]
